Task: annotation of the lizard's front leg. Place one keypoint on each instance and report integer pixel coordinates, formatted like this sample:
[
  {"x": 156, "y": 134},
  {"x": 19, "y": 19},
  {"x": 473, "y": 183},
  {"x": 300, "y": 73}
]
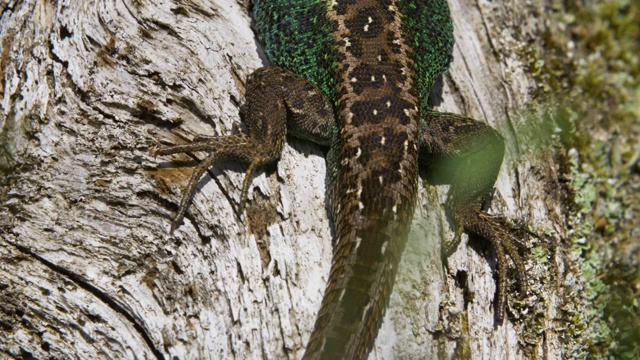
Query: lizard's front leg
[
  {"x": 467, "y": 154},
  {"x": 278, "y": 101}
]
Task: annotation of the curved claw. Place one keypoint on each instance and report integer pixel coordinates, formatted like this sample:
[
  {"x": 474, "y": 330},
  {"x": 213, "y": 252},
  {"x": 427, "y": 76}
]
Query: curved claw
[
  {"x": 506, "y": 246},
  {"x": 248, "y": 175},
  {"x": 503, "y": 241},
  {"x": 191, "y": 189},
  {"x": 449, "y": 247}
]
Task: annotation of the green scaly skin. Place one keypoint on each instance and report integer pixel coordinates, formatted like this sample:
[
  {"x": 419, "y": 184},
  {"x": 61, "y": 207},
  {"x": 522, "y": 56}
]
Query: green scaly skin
[{"x": 356, "y": 76}]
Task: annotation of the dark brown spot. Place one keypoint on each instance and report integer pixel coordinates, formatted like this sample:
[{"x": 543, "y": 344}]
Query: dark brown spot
[
  {"x": 369, "y": 76},
  {"x": 363, "y": 113},
  {"x": 366, "y": 24},
  {"x": 356, "y": 47}
]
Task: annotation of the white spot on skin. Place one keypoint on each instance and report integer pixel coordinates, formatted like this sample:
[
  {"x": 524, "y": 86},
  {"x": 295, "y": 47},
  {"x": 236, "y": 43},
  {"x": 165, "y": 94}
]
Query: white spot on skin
[
  {"x": 388, "y": 103},
  {"x": 379, "y": 57},
  {"x": 347, "y": 43},
  {"x": 395, "y": 209},
  {"x": 366, "y": 27},
  {"x": 407, "y": 112},
  {"x": 384, "y": 77},
  {"x": 382, "y": 140},
  {"x": 358, "y": 153},
  {"x": 375, "y": 112},
  {"x": 373, "y": 78},
  {"x": 380, "y": 179},
  {"x": 358, "y": 241},
  {"x": 360, "y": 205},
  {"x": 406, "y": 145},
  {"x": 384, "y": 247},
  {"x": 353, "y": 79}
]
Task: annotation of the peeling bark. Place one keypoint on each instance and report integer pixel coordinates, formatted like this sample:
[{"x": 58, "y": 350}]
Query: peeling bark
[{"x": 88, "y": 268}]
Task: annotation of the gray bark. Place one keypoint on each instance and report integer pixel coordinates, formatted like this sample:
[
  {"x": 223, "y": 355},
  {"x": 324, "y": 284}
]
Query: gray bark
[{"x": 88, "y": 267}]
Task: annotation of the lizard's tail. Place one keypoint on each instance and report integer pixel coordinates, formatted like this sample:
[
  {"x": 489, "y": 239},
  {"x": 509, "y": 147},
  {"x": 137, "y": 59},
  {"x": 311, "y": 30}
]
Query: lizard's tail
[{"x": 359, "y": 286}]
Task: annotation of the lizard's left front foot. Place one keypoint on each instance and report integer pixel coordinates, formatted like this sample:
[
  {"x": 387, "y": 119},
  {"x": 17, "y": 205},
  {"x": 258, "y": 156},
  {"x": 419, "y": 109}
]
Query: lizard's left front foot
[
  {"x": 468, "y": 154},
  {"x": 505, "y": 241}
]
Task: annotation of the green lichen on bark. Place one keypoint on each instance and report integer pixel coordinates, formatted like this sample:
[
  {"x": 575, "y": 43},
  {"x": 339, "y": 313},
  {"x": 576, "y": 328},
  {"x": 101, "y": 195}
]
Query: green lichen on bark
[{"x": 588, "y": 62}]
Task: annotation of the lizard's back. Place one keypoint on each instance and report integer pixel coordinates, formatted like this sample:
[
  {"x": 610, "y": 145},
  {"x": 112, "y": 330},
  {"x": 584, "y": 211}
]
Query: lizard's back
[
  {"x": 376, "y": 60},
  {"x": 300, "y": 35}
]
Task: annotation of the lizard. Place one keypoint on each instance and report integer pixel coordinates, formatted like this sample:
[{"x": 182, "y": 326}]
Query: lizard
[{"x": 355, "y": 76}]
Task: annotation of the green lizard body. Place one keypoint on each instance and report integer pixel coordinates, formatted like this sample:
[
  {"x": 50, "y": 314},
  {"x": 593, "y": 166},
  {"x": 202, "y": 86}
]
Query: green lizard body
[{"x": 356, "y": 76}]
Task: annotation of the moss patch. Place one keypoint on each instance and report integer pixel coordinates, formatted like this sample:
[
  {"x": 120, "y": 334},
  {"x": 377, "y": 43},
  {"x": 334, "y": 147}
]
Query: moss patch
[{"x": 587, "y": 67}]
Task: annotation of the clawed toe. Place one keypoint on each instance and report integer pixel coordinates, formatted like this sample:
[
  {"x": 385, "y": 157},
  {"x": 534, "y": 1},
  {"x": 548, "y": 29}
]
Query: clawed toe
[{"x": 507, "y": 243}]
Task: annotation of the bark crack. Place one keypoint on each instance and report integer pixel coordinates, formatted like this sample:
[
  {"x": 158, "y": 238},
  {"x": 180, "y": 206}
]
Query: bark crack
[{"x": 105, "y": 298}]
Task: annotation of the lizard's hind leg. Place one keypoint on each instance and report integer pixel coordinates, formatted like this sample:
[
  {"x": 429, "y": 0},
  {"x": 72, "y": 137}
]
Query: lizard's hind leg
[
  {"x": 235, "y": 147},
  {"x": 468, "y": 154},
  {"x": 278, "y": 101}
]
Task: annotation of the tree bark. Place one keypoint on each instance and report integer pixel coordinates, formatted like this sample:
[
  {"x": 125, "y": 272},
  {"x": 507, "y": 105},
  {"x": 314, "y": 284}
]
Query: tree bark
[{"x": 88, "y": 267}]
